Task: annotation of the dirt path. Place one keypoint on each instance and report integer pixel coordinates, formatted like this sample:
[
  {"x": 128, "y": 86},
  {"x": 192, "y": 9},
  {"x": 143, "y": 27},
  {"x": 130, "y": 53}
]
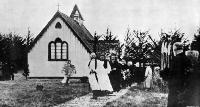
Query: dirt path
[
  {"x": 140, "y": 98},
  {"x": 86, "y": 101}
]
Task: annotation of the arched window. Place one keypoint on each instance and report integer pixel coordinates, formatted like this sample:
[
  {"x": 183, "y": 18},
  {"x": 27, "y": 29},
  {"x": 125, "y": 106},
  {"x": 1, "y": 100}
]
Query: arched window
[
  {"x": 58, "y": 25},
  {"x": 52, "y": 50},
  {"x": 64, "y": 50},
  {"x": 58, "y": 50}
]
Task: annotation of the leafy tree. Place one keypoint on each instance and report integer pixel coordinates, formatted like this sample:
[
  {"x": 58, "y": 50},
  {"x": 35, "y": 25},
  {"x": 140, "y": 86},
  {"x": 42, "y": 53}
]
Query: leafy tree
[
  {"x": 109, "y": 36},
  {"x": 104, "y": 42},
  {"x": 196, "y": 41},
  {"x": 28, "y": 41},
  {"x": 95, "y": 42},
  {"x": 156, "y": 50},
  {"x": 13, "y": 53},
  {"x": 111, "y": 39},
  {"x": 137, "y": 46},
  {"x": 173, "y": 36}
]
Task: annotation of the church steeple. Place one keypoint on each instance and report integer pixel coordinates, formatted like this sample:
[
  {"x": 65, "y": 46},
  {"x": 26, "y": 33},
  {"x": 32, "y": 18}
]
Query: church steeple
[{"x": 76, "y": 15}]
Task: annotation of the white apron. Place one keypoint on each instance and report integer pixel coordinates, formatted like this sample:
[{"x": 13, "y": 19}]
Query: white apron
[
  {"x": 94, "y": 85},
  {"x": 103, "y": 78},
  {"x": 148, "y": 74}
]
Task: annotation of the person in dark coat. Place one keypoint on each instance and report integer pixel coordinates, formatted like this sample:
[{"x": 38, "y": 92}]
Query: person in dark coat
[
  {"x": 191, "y": 95},
  {"x": 131, "y": 69},
  {"x": 137, "y": 73},
  {"x": 179, "y": 65},
  {"x": 115, "y": 74},
  {"x": 12, "y": 70},
  {"x": 124, "y": 68}
]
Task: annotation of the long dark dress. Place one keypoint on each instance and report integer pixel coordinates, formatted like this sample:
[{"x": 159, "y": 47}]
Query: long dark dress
[
  {"x": 139, "y": 74},
  {"x": 177, "y": 79},
  {"x": 124, "y": 81},
  {"x": 115, "y": 75},
  {"x": 131, "y": 78},
  {"x": 191, "y": 95}
]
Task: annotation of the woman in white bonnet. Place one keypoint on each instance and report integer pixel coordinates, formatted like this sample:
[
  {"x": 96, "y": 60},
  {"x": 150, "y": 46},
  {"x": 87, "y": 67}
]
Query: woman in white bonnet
[
  {"x": 93, "y": 79},
  {"x": 148, "y": 75},
  {"x": 102, "y": 73}
]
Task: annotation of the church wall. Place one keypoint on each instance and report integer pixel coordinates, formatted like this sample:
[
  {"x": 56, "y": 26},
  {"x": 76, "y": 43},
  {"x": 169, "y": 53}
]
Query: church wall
[{"x": 39, "y": 65}]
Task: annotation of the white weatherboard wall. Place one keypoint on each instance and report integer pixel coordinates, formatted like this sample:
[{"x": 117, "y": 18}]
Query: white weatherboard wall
[{"x": 39, "y": 65}]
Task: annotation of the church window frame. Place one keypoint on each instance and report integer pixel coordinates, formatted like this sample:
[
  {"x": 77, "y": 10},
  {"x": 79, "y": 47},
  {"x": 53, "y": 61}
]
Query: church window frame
[
  {"x": 58, "y": 25},
  {"x": 58, "y": 50}
]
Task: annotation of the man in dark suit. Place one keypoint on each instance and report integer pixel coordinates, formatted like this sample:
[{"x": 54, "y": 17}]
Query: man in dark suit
[
  {"x": 131, "y": 70},
  {"x": 177, "y": 75},
  {"x": 115, "y": 75}
]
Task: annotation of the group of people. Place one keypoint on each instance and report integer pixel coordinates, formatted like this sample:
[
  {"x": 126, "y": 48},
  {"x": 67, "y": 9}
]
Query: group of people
[
  {"x": 111, "y": 75},
  {"x": 181, "y": 69},
  {"x": 122, "y": 74},
  {"x": 98, "y": 77},
  {"x": 183, "y": 76}
]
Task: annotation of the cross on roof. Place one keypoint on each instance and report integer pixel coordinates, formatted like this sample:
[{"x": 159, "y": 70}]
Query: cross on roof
[{"x": 58, "y": 6}]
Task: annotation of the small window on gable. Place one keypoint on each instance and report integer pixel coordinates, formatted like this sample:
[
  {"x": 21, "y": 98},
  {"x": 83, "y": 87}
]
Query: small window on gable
[{"x": 58, "y": 25}]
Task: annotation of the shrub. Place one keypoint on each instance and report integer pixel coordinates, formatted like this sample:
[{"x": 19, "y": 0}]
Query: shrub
[
  {"x": 158, "y": 84},
  {"x": 69, "y": 69}
]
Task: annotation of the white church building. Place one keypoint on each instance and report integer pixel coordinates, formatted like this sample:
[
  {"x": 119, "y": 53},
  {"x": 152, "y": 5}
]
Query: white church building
[{"x": 63, "y": 39}]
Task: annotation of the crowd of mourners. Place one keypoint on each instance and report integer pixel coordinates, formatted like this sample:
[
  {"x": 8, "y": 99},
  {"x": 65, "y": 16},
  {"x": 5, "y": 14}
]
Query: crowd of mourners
[
  {"x": 182, "y": 74},
  {"x": 111, "y": 75}
]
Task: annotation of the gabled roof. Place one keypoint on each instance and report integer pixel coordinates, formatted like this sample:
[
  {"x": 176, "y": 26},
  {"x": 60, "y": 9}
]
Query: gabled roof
[
  {"x": 78, "y": 30},
  {"x": 74, "y": 12}
]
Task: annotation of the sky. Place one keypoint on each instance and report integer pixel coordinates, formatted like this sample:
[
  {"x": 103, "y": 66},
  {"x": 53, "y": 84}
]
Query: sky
[{"x": 152, "y": 15}]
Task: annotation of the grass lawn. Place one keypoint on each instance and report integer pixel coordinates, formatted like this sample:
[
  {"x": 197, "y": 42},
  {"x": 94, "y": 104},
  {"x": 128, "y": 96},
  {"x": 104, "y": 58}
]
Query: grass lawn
[
  {"x": 24, "y": 93},
  {"x": 136, "y": 97}
]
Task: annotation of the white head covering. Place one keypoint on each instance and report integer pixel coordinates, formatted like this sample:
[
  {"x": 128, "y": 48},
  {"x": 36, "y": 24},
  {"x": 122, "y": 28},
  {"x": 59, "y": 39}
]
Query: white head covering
[
  {"x": 192, "y": 54},
  {"x": 177, "y": 48},
  {"x": 130, "y": 63},
  {"x": 137, "y": 64},
  {"x": 157, "y": 68},
  {"x": 92, "y": 55}
]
